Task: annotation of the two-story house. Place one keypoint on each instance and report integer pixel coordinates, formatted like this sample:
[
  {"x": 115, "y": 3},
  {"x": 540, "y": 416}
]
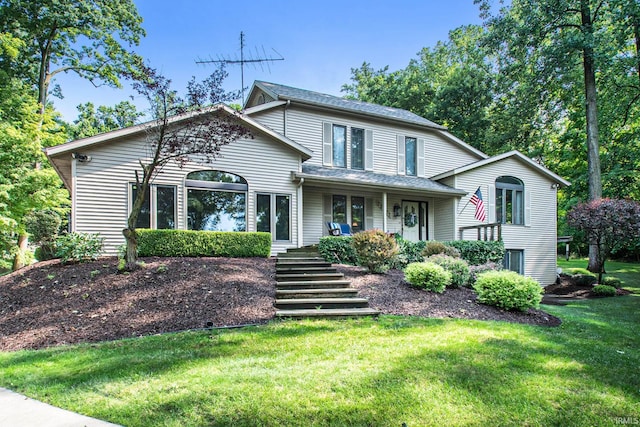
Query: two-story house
[{"x": 314, "y": 159}]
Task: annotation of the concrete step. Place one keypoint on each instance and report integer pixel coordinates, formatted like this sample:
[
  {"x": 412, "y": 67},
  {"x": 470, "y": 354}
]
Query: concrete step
[
  {"x": 316, "y": 293},
  {"x": 313, "y": 284},
  {"x": 335, "y": 312},
  {"x": 315, "y": 262},
  {"x": 299, "y": 254},
  {"x": 317, "y": 303},
  {"x": 286, "y": 277},
  {"x": 305, "y": 269}
]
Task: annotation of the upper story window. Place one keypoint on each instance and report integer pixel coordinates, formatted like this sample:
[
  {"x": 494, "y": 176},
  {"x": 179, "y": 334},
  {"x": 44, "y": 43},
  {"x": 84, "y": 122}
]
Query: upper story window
[
  {"x": 411, "y": 154},
  {"x": 357, "y": 148},
  {"x": 339, "y": 140},
  {"x": 510, "y": 200},
  {"x": 216, "y": 201}
]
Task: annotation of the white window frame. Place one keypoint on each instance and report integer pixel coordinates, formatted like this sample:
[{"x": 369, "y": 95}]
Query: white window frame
[
  {"x": 272, "y": 216},
  {"x": 153, "y": 203}
]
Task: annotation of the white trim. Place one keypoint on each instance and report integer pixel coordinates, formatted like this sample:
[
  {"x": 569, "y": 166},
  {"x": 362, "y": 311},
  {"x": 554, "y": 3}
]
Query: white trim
[
  {"x": 74, "y": 194},
  {"x": 262, "y": 107}
]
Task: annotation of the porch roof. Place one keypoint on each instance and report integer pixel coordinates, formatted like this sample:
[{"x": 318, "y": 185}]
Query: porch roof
[{"x": 375, "y": 180}]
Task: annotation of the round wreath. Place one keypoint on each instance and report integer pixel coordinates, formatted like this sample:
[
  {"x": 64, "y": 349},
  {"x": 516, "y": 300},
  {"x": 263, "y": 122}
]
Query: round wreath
[{"x": 410, "y": 219}]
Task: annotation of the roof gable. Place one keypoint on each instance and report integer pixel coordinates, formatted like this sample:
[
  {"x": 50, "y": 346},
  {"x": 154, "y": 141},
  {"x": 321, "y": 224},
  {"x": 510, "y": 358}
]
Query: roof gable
[{"x": 511, "y": 154}]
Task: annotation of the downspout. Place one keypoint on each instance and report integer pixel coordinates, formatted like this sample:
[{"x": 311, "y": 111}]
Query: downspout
[
  {"x": 300, "y": 216},
  {"x": 74, "y": 192},
  {"x": 284, "y": 118}
]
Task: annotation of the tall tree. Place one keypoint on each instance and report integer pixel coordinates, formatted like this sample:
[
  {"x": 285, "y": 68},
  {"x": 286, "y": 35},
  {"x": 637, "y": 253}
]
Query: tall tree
[
  {"x": 87, "y": 37},
  {"x": 193, "y": 128},
  {"x": 92, "y": 120}
]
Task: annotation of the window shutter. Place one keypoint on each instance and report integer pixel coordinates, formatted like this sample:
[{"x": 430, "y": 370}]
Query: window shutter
[
  {"x": 401, "y": 160},
  {"x": 420, "y": 166},
  {"x": 527, "y": 207},
  {"x": 368, "y": 144},
  {"x": 491, "y": 203},
  {"x": 327, "y": 143},
  {"x": 327, "y": 213},
  {"x": 368, "y": 214}
]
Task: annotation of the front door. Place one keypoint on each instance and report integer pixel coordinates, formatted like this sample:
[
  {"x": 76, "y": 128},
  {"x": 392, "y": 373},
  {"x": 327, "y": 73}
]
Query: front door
[{"x": 411, "y": 221}]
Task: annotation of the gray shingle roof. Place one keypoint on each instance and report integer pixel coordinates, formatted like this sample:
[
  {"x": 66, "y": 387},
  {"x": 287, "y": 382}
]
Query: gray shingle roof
[
  {"x": 282, "y": 92},
  {"x": 355, "y": 177}
]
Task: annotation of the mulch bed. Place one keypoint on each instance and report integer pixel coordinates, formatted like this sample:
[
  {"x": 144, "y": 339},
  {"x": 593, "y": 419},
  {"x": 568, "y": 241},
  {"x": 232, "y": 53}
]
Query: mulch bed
[{"x": 50, "y": 304}]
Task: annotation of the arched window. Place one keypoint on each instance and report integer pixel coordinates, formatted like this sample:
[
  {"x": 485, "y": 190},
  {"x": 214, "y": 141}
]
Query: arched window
[
  {"x": 216, "y": 201},
  {"x": 509, "y": 200}
]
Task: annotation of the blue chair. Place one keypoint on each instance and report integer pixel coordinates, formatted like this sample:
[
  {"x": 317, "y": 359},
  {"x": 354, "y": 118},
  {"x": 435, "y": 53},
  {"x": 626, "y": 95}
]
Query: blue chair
[{"x": 337, "y": 229}]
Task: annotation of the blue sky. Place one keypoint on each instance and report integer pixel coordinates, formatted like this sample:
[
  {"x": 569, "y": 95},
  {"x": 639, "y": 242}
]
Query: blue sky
[{"x": 320, "y": 41}]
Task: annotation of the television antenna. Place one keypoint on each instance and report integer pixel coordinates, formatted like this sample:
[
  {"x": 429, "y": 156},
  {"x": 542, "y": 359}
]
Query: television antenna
[{"x": 254, "y": 59}]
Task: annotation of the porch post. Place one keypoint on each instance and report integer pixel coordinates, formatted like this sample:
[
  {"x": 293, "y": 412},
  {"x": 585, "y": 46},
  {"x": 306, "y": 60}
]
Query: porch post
[
  {"x": 384, "y": 212},
  {"x": 300, "y": 216}
]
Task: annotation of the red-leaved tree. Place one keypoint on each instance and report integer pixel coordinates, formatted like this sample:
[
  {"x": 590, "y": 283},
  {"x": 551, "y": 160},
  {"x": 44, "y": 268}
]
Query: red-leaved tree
[
  {"x": 609, "y": 224},
  {"x": 193, "y": 128}
]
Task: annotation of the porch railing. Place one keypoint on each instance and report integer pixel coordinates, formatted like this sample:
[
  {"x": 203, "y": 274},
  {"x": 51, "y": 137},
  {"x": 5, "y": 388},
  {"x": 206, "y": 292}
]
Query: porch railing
[{"x": 485, "y": 231}]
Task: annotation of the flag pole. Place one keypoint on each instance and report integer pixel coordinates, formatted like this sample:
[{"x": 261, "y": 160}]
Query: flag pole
[{"x": 468, "y": 201}]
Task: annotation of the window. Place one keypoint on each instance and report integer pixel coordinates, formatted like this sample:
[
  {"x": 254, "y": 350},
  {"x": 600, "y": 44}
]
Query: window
[
  {"x": 216, "y": 201},
  {"x": 411, "y": 154},
  {"x": 357, "y": 213},
  {"x": 339, "y": 209},
  {"x": 357, "y": 148},
  {"x": 340, "y": 146},
  {"x": 514, "y": 260},
  {"x": 159, "y": 207},
  {"x": 280, "y": 205},
  {"x": 509, "y": 200}
]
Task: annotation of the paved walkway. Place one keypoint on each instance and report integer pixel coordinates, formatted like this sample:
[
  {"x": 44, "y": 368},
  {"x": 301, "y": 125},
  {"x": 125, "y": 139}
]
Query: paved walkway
[{"x": 17, "y": 410}]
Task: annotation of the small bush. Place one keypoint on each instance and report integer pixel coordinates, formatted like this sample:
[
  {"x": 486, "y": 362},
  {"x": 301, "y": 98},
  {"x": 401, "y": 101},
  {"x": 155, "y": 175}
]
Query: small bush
[
  {"x": 612, "y": 281},
  {"x": 585, "y": 279},
  {"x": 337, "y": 250},
  {"x": 458, "y": 268},
  {"x": 572, "y": 271},
  {"x": 477, "y": 252},
  {"x": 433, "y": 247},
  {"x": 408, "y": 252},
  {"x": 375, "y": 250},
  {"x": 77, "y": 247},
  {"x": 427, "y": 275},
  {"x": 476, "y": 270},
  {"x": 508, "y": 290},
  {"x": 604, "y": 290},
  {"x": 43, "y": 227},
  {"x": 203, "y": 243}
]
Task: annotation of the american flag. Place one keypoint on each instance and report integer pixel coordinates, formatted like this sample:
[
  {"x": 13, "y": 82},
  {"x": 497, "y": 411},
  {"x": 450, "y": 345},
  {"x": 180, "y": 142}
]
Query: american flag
[{"x": 476, "y": 200}]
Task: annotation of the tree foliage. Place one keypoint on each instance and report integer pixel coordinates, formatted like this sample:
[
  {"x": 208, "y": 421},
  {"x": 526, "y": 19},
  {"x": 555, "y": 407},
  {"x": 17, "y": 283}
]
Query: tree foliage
[
  {"x": 184, "y": 129},
  {"x": 610, "y": 224},
  {"x": 92, "y": 121}
]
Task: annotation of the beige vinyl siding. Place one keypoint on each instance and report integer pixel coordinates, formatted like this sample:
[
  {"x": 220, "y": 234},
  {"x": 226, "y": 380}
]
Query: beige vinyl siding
[
  {"x": 272, "y": 118},
  {"x": 444, "y": 221},
  {"x": 538, "y": 239},
  {"x": 102, "y": 185},
  {"x": 305, "y": 126}
]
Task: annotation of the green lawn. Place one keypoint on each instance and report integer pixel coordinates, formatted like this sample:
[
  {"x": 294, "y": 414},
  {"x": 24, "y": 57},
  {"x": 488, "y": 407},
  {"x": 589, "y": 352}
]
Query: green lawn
[
  {"x": 628, "y": 272},
  {"x": 356, "y": 372}
]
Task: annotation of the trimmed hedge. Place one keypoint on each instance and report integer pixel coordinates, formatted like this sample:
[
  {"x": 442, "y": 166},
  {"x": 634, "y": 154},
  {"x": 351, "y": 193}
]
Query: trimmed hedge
[
  {"x": 477, "y": 252},
  {"x": 338, "y": 250},
  {"x": 604, "y": 290},
  {"x": 508, "y": 290},
  {"x": 203, "y": 243}
]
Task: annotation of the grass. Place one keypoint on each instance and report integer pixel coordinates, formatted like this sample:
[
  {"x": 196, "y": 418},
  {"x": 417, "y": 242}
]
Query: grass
[
  {"x": 356, "y": 373},
  {"x": 628, "y": 272}
]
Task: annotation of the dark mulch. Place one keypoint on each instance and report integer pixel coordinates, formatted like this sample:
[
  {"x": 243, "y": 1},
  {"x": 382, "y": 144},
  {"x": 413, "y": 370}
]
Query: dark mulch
[
  {"x": 568, "y": 287},
  {"x": 391, "y": 294},
  {"x": 50, "y": 304}
]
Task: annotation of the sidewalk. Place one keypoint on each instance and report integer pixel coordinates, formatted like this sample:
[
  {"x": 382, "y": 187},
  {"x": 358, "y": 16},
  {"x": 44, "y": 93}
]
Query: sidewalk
[{"x": 17, "y": 410}]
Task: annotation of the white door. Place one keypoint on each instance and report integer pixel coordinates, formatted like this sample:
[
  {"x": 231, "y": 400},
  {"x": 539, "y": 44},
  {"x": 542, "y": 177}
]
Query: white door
[{"x": 411, "y": 221}]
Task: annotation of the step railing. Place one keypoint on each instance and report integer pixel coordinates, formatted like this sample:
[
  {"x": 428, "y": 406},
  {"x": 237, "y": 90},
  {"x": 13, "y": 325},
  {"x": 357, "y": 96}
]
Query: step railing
[{"x": 491, "y": 231}]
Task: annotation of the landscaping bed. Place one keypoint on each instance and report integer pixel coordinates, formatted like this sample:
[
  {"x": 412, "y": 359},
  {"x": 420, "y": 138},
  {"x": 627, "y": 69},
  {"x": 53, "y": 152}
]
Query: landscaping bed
[{"x": 50, "y": 304}]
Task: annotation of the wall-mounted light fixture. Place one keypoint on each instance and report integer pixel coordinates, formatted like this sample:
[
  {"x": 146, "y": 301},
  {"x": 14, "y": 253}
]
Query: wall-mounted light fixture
[
  {"x": 82, "y": 158},
  {"x": 555, "y": 186},
  {"x": 396, "y": 210}
]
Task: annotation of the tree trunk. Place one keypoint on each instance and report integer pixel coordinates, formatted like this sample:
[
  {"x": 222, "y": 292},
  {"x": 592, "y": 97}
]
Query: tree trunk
[
  {"x": 593, "y": 145},
  {"x": 19, "y": 260},
  {"x": 131, "y": 257}
]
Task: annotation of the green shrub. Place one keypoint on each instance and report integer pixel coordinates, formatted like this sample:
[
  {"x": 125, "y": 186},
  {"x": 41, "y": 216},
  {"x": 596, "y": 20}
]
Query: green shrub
[
  {"x": 77, "y": 247},
  {"x": 477, "y": 252},
  {"x": 408, "y": 252},
  {"x": 476, "y": 270},
  {"x": 375, "y": 250},
  {"x": 612, "y": 281},
  {"x": 337, "y": 250},
  {"x": 508, "y": 290},
  {"x": 427, "y": 275},
  {"x": 203, "y": 243},
  {"x": 585, "y": 279},
  {"x": 43, "y": 227},
  {"x": 433, "y": 247},
  {"x": 458, "y": 268},
  {"x": 572, "y": 271},
  {"x": 604, "y": 290}
]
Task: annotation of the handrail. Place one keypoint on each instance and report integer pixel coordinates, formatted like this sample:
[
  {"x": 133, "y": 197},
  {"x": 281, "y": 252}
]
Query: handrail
[{"x": 485, "y": 231}]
